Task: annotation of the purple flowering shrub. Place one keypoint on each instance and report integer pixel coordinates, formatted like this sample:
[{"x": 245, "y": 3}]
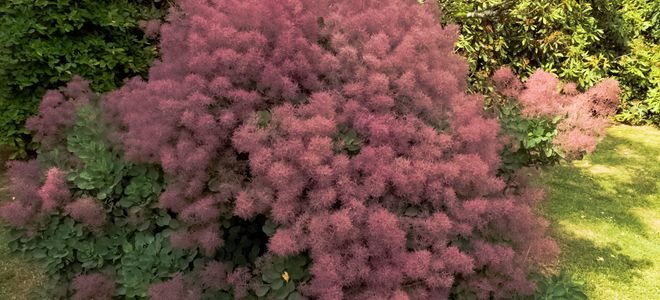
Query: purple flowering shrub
[
  {"x": 582, "y": 117},
  {"x": 335, "y": 134}
]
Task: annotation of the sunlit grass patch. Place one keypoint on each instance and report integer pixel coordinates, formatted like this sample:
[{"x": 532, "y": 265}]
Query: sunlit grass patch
[{"x": 604, "y": 210}]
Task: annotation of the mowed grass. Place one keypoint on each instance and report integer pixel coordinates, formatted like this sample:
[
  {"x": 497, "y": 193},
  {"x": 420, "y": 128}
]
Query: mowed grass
[
  {"x": 605, "y": 214},
  {"x": 18, "y": 275}
]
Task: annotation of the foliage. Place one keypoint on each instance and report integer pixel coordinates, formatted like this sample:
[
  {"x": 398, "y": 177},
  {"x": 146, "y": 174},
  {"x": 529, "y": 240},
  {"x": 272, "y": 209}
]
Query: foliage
[
  {"x": 560, "y": 286},
  {"x": 580, "y": 41},
  {"x": 146, "y": 260},
  {"x": 531, "y": 139},
  {"x": 640, "y": 70},
  {"x": 99, "y": 172},
  {"x": 44, "y": 43},
  {"x": 557, "y": 36},
  {"x": 579, "y": 118},
  {"x": 527, "y": 35}
]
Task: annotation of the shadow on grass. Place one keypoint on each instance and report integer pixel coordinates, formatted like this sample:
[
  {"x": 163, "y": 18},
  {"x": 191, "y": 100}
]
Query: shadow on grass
[
  {"x": 584, "y": 256},
  {"x": 628, "y": 153},
  {"x": 603, "y": 212},
  {"x": 607, "y": 186},
  {"x": 583, "y": 198}
]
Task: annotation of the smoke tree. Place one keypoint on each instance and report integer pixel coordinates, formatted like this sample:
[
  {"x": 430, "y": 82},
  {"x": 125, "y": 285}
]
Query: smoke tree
[
  {"x": 253, "y": 96},
  {"x": 340, "y": 127},
  {"x": 583, "y": 117}
]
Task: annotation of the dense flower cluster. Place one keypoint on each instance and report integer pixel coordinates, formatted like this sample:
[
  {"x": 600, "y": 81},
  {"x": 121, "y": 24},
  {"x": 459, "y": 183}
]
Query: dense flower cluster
[
  {"x": 93, "y": 286},
  {"x": 174, "y": 289},
  {"x": 346, "y": 123},
  {"x": 249, "y": 97},
  {"x": 24, "y": 187},
  {"x": 150, "y": 27},
  {"x": 87, "y": 211},
  {"x": 56, "y": 111},
  {"x": 584, "y": 116},
  {"x": 32, "y": 200}
]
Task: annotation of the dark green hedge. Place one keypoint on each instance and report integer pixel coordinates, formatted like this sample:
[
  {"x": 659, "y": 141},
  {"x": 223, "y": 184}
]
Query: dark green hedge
[{"x": 43, "y": 43}]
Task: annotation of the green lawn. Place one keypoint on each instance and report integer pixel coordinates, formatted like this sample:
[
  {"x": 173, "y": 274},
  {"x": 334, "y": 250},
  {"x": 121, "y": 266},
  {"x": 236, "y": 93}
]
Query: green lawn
[
  {"x": 18, "y": 276},
  {"x": 605, "y": 212}
]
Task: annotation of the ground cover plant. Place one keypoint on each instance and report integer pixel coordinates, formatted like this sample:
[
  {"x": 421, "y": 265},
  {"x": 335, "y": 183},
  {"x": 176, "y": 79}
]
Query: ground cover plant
[{"x": 604, "y": 210}]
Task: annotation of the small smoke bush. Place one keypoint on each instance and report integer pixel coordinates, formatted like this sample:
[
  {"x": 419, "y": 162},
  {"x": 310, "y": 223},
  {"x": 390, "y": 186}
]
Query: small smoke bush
[
  {"x": 87, "y": 211},
  {"x": 174, "y": 289},
  {"x": 24, "y": 187},
  {"x": 93, "y": 286},
  {"x": 150, "y": 27},
  {"x": 348, "y": 125},
  {"x": 33, "y": 200},
  {"x": 57, "y": 111},
  {"x": 16, "y": 214},
  {"x": 55, "y": 192},
  {"x": 59, "y": 205},
  {"x": 37, "y": 193},
  {"x": 214, "y": 276},
  {"x": 584, "y": 116}
]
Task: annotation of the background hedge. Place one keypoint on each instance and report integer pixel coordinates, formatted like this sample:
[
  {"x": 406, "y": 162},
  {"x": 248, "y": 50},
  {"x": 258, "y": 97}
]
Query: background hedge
[
  {"x": 43, "y": 43},
  {"x": 580, "y": 41}
]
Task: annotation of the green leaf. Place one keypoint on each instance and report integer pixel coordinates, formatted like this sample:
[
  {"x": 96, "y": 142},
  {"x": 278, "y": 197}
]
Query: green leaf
[
  {"x": 548, "y": 152},
  {"x": 127, "y": 247},
  {"x": 558, "y": 292},
  {"x": 261, "y": 290},
  {"x": 264, "y": 118},
  {"x": 269, "y": 228},
  {"x": 270, "y": 276},
  {"x": 295, "y": 296},
  {"x": 164, "y": 220},
  {"x": 282, "y": 293},
  {"x": 214, "y": 185},
  {"x": 296, "y": 272},
  {"x": 277, "y": 284}
]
